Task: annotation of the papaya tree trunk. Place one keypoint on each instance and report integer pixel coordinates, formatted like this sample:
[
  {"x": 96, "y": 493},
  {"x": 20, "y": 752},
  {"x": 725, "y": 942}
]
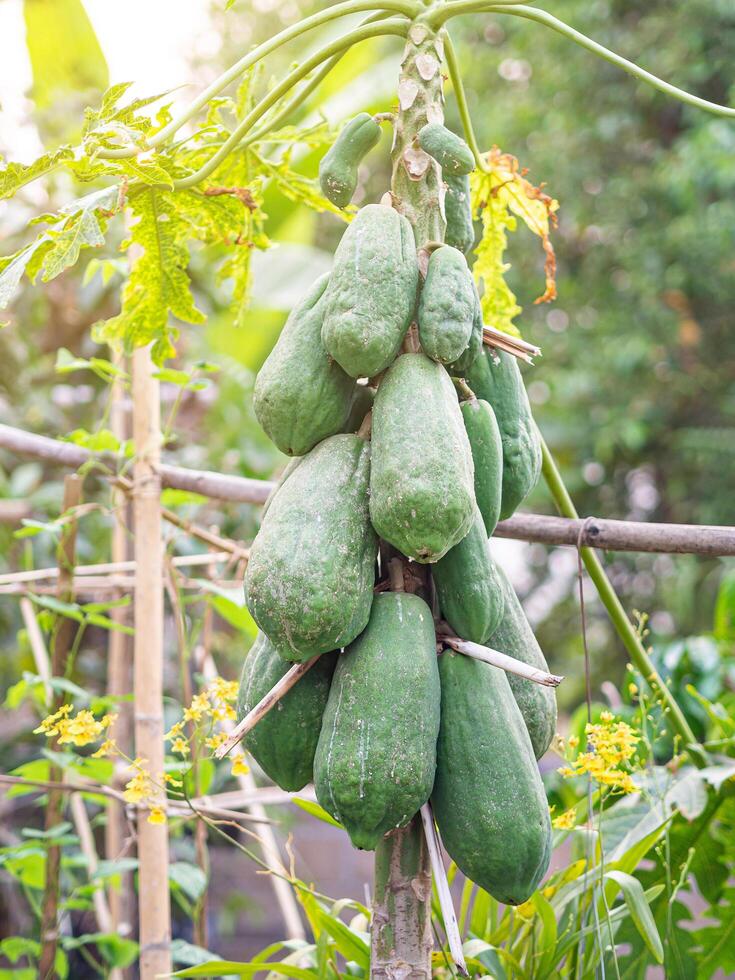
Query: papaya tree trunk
[
  {"x": 401, "y": 940},
  {"x": 401, "y": 931}
]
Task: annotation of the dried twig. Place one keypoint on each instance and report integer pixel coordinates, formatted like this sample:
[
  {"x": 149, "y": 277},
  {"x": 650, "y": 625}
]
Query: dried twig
[
  {"x": 442, "y": 889},
  {"x": 502, "y": 660}
]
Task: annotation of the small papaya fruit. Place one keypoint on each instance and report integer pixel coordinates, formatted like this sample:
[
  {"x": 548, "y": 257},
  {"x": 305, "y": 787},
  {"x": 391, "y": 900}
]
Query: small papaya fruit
[
  {"x": 371, "y": 296},
  {"x": 446, "y": 305},
  {"x": 488, "y": 798},
  {"x": 309, "y": 580},
  {"x": 422, "y": 495},
  {"x": 496, "y": 377},
  {"x": 376, "y": 755},
  {"x": 458, "y": 211},
  {"x": 468, "y": 585},
  {"x": 487, "y": 455},
  {"x": 283, "y": 742},
  {"x": 449, "y": 150},
  {"x": 301, "y": 396},
  {"x": 338, "y": 166},
  {"x": 514, "y": 637}
]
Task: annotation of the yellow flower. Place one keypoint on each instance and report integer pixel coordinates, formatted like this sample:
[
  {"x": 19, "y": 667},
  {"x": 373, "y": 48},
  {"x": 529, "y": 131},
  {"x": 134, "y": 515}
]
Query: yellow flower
[
  {"x": 573, "y": 741},
  {"x": 49, "y": 725},
  {"x": 140, "y": 786},
  {"x": 157, "y": 815},
  {"x": 613, "y": 744},
  {"x": 224, "y": 690},
  {"x": 170, "y": 779},
  {"x": 108, "y": 747},
  {"x": 550, "y": 891},
  {"x": 214, "y": 741},
  {"x": 606, "y": 716},
  {"x": 565, "y": 821},
  {"x": 175, "y": 731},
  {"x": 632, "y": 689},
  {"x": 240, "y": 767},
  {"x": 199, "y": 706},
  {"x": 180, "y": 745},
  {"x": 527, "y": 910}
]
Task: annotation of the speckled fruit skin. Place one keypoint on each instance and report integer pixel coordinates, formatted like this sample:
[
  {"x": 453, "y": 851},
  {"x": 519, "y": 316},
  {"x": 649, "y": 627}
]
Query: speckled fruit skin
[
  {"x": 461, "y": 367},
  {"x": 488, "y": 798},
  {"x": 449, "y": 150},
  {"x": 422, "y": 495},
  {"x": 338, "y": 166},
  {"x": 460, "y": 231},
  {"x": 284, "y": 741},
  {"x": 446, "y": 306},
  {"x": 309, "y": 580},
  {"x": 498, "y": 380},
  {"x": 375, "y": 761},
  {"x": 371, "y": 296},
  {"x": 301, "y": 396},
  {"x": 468, "y": 585},
  {"x": 487, "y": 455},
  {"x": 515, "y": 638}
]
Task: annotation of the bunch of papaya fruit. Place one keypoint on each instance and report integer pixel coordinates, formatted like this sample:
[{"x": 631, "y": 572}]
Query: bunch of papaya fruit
[{"x": 409, "y": 440}]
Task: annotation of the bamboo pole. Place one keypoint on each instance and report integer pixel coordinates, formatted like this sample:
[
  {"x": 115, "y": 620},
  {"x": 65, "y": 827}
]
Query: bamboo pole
[
  {"x": 63, "y": 638},
  {"x": 121, "y": 898},
  {"x": 154, "y": 914},
  {"x": 489, "y": 656},
  {"x": 599, "y": 533},
  {"x": 257, "y": 800}
]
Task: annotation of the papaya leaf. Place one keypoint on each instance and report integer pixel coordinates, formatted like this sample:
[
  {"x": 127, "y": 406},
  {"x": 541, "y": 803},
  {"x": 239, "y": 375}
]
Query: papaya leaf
[
  {"x": 13, "y": 176},
  {"x": 500, "y": 195}
]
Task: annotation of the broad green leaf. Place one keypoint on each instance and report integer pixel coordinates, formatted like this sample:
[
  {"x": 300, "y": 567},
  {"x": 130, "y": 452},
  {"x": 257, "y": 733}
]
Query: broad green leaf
[
  {"x": 640, "y": 911},
  {"x": 349, "y": 944},
  {"x": 312, "y": 808},
  {"x": 225, "y": 968},
  {"x": 13, "y": 176},
  {"x": 189, "y": 878}
]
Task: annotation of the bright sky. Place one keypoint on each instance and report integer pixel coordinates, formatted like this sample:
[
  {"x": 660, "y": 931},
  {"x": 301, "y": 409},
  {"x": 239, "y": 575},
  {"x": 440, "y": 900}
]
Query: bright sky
[{"x": 155, "y": 57}]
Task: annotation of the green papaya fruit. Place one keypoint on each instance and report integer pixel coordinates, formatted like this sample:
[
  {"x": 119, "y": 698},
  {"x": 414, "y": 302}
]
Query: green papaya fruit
[
  {"x": 422, "y": 495},
  {"x": 514, "y": 637},
  {"x": 375, "y": 760},
  {"x": 449, "y": 150},
  {"x": 496, "y": 377},
  {"x": 488, "y": 798},
  {"x": 487, "y": 455},
  {"x": 362, "y": 403},
  {"x": 283, "y": 742},
  {"x": 371, "y": 296},
  {"x": 301, "y": 396},
  {"x": 468, "y": 585},
  {"x": 458, "y": 211},
  {"x": 284, "y": 475},
  {"x": 461, "y": 367},
  {"x": 338, "y": 166},
  {"x": 446, "y": 306},
  {"x": 309, "y": 580}
]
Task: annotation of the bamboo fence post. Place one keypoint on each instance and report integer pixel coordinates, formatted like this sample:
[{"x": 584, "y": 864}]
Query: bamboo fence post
[
  {"x": 62, "y": 641},
  {"x": 154, "y": 913},
  {"x": 119, "y": 672}
]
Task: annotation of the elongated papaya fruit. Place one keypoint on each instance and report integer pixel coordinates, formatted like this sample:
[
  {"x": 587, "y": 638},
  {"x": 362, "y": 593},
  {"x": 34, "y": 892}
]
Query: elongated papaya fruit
[
  {"x": 309, "y": 580},
  {"x": 460, "y": 368},
  {"x": 283, "y": 742},
  {"x": 488, "y": 798},
  {"x": 515, "y": 638},
  {"x": 487, "y": 455},
  {"x": 497, "y": 378},
  {"x": 447, "y": 306},
  {"x": 449, "y": 150},
  {"x": 301, "y": 396},
  {"x": 458, "y": 211},
  {"x": 468, "y": 585},
  {"x": 371, "y": 296},
  {"x": 422, "y": 495},
  {"x": 376, "y": 756},
  {"x": 338, "y": 166}
]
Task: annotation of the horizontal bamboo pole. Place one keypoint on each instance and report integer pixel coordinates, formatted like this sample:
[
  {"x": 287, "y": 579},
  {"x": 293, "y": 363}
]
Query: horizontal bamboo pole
[
  {"x": 501, "y": 660},
  {"x": 109, "y": 567},
  {"x": 599, "y": 533}
]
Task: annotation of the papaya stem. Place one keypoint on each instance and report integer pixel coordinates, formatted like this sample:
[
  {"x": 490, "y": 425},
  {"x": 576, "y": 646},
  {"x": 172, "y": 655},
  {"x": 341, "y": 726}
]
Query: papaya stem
[{"x": 622, "y": 624}]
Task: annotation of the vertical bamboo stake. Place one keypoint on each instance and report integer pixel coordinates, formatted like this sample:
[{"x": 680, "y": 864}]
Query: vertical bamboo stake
[
  {"x": 63, "y": 639},
  {"x": 154, "y": 914},
  {"x": 119, "y": 674},
  {"x": 401, "y": 939}
]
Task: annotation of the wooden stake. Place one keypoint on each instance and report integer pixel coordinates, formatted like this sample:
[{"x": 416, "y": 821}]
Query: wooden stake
[
  {"x": 154, "y": 914},
  {"x": 269, "y": 701},
  {"x": 502, "y": 660},
  {"x": 442, "y": 888},
  {"x": 62, "y": 642},
  {"x": 121, "y": 898}
]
